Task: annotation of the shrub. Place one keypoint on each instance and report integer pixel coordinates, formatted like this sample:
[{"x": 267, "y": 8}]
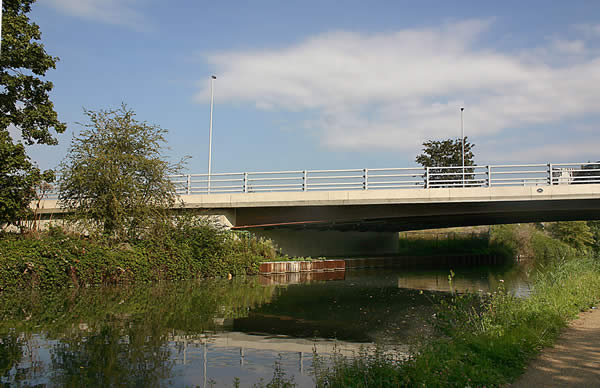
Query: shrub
[{"x": 192, "y": 250}]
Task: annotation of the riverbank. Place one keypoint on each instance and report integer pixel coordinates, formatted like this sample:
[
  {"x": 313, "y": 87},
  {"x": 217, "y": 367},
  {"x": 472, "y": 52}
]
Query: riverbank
[
  {"x": 58, "y": 259},
  {"x": 480, "y": 340}
]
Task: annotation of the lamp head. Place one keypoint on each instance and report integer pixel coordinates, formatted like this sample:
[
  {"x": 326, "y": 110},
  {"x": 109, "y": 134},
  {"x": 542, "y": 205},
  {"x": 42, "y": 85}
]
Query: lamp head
[{"x": 214, "y": 77}]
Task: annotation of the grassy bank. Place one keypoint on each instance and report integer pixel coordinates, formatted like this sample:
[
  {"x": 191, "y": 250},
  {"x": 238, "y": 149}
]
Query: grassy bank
[
  {"x": 486, "y": 340},
  {"x": 520, "y": 241},
  {"x": 55, "y": 258},
  {"x": 455, "y": 241}
]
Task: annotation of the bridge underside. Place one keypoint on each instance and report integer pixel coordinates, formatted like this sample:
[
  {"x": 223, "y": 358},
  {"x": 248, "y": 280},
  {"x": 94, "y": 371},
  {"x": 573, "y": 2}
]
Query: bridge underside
[
  {"x": 414, "y": 216},
  {"x": 372, "y": 229}
]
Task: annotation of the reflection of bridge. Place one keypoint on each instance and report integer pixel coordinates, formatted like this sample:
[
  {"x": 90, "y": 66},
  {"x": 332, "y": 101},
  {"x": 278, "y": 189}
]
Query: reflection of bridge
[
  {"x": 223, "y": 349},
  {"x": 274, "y": 343},
  {"x": 339, "y": 212}
]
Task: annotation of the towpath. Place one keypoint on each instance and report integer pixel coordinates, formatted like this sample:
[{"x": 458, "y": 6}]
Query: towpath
[{"x": 574, "y": 361}]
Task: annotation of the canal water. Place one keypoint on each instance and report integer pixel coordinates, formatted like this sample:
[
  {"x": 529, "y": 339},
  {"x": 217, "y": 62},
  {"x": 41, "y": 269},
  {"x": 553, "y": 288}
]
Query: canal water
[{"x": 210, "y": 332}]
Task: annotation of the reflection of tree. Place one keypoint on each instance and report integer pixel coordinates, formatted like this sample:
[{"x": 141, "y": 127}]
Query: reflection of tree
[
  {"x": 19, "y": 358},
  {"x": 137, "y": 356},
  {"x": 10, "y": 353},
  {"x": 118, "y": 335}
]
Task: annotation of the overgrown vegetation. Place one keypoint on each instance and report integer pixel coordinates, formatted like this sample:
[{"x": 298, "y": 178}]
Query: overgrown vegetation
[
  {"x": 486, "y": 339},
  {"x": 190, "y": 249},
  {"x": 449, "y": 243}
]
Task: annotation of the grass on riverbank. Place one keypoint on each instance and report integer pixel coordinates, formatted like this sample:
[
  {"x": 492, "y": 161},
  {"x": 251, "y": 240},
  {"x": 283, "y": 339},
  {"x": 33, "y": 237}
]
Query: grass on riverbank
[
  {"x": 483, "y": 340},
  {"x": 520, "y": 241},
  {"x": 55, "y": 258}
]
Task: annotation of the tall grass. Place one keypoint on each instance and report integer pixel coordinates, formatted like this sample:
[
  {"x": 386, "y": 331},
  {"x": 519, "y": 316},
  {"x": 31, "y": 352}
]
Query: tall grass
[{"x": 481, "y": 340}]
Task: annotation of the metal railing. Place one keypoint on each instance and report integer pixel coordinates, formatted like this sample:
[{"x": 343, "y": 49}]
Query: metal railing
[{"x": 387, "y": 178}]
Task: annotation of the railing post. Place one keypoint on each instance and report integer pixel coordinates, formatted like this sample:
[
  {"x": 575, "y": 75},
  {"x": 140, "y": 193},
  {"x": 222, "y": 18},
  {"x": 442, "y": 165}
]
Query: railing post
[
  {"x": 304, "y": 180},
  {"x": 365, "y": 179},
  {"x": 189, "y": 184},
  {"x": 489, "y": 176},
  {"x": 550, "y": 174},
  {"x": 245, "y": 182},
  {"x": 426, "y": 177}
]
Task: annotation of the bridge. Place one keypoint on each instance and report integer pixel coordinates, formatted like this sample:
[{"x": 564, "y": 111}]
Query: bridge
[{"x": 360, "y": 211}]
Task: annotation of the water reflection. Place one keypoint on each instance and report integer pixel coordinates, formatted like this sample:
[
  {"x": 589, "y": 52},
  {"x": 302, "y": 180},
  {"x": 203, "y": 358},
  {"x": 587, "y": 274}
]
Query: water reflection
[{"x": 208, "y": 332}]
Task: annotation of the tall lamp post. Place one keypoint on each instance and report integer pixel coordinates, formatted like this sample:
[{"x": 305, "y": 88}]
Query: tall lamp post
[
  {"x": 462, "y": 139},
  {"x": 212, "y": 99}
]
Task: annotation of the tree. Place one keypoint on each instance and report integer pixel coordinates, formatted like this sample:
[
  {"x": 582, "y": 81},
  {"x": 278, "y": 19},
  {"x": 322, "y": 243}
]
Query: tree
[
  {"x": 25, "y": 108},
  {"x": 446, "y": 153},
  {"x": 19, "y": 180},
  {"x": 574, "y": 233},
  {"x": 595, "y": 230},
  {"x": 114, "y": 179}
]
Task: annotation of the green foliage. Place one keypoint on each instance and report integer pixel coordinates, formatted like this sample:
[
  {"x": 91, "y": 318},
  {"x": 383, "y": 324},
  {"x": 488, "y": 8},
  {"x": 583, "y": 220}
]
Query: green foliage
[
  {"x": 19, "y": 179},
  {"x": 530, "y": 242},
  {"x": 574, "y": 233},
  {"x": 378, "y": 369},
  {"x": 446, "y": 153},
  {"x": 279, "y": 379},
  {"x": 482, "y": 339},
  {"x": 114, "y": 179},
  {"x": 57, "y": 259},
  {"x": 25, "y": 109},
  {"x": 476, "y": 245},
  {"x": 595, "y": 230}
]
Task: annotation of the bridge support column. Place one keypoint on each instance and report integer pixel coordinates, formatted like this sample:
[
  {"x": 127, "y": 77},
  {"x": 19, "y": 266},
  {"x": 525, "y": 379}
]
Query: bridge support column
[{"x": 332, "y": 243}]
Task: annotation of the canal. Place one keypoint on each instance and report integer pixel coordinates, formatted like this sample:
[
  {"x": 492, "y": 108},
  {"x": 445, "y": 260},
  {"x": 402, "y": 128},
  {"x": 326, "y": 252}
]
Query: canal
[{"x": 210, "y": 332}]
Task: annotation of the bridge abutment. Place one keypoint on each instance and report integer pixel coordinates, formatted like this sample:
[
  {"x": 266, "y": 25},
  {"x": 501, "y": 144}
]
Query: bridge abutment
[{"x": 316, "y": 243}]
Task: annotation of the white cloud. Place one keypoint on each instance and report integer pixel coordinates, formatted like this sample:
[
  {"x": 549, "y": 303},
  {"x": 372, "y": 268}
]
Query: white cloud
[
  {"x": 590, "y": 30},
  {"x": 393, "y": 90},
  {"x": 568, "y": 151},
  {"x": 120, "y": 12}
]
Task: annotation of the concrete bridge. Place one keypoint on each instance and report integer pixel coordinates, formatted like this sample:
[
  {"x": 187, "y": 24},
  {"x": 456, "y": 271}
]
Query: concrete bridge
[{"x": 340, "y": 212}]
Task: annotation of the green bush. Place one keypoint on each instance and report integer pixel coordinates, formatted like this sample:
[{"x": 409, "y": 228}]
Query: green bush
[
  {"x": 530, "y": 242},
  {"x": 190, "y": 250}
]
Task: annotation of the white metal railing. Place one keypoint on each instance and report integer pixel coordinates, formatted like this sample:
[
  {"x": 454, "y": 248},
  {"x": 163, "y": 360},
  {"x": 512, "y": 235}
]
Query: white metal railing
[{"x": 387, "y": 178}]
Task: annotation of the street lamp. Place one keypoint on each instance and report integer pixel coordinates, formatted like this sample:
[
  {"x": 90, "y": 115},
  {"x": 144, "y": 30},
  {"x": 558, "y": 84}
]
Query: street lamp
[
  {"x": 462, "y": 138},
  {"x": 212, "y": 99}
]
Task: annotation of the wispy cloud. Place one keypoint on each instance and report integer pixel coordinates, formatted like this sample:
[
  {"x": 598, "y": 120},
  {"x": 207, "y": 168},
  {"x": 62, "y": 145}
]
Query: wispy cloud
[
  {"x": 591, "y": 30},
  {"x": 393, "y": 90},
  {"x": 568, "y": 151},
  {"x": 119, "y": 12}
]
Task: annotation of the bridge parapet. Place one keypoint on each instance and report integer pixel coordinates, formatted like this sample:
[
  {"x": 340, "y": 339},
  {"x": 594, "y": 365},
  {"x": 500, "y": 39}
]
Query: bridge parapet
[{"x": 365, "y": 179}]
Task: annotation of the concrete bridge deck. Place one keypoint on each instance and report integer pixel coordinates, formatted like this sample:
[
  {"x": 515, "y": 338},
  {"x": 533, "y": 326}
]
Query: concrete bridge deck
[
  {"x": 405, "y": 209},
  {"x": 334, "y": 223}
]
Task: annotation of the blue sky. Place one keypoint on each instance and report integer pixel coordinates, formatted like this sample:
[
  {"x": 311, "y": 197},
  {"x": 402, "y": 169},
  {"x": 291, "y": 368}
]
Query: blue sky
[{"x": 324, "y": 84}]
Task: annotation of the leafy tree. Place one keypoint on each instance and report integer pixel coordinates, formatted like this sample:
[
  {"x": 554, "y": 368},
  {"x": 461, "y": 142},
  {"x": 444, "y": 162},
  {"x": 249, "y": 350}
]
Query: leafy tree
[
  {"x": 446, "y": 153},
  {"x": 575, "y": 233},
  {"x": 595, "y": 230},
  {"x": 114, "y": 178},
  {"x": 25, "y": 108}
]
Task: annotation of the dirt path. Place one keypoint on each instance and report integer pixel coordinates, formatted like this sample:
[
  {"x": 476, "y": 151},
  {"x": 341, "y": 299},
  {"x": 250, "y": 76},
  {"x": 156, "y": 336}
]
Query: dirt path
[{"x": 574, "y": 361}]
